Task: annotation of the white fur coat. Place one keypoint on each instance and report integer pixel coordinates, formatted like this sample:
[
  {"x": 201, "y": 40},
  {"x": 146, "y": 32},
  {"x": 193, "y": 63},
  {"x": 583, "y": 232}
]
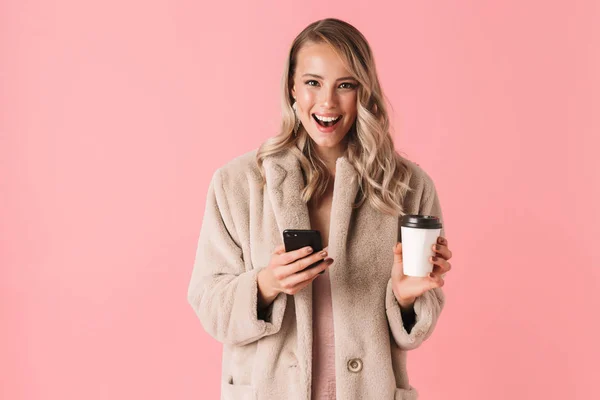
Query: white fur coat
[{"x": 270, "y": 358}]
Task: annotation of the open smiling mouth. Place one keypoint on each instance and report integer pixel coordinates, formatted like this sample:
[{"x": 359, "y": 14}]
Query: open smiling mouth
[{"x": 326, "y": 122}]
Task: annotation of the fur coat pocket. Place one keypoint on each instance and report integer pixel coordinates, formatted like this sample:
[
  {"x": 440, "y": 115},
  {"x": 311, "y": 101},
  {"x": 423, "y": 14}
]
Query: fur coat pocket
[
  {"x": 231, "y": 391},
  {"x": 406, "y": 394}
]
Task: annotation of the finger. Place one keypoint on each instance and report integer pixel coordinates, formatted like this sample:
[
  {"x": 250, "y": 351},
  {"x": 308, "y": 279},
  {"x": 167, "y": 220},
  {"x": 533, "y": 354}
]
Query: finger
[
  {"x": 299, "y": 286},
  {"x": 303, "y": 263},
  {"x": 397, "y": 267},
  {"x": 435, "y": 281},
  {"x": 442, "y": 240},
  {"x": 437, "y": 270},
  {"x": 439, "y": 262},
  {"x": 291, "y": 256},
  {"x": 398, "y": 253},
  {"x": 307, "y": 275},
  {"x": 442, "y": 251},
  {"x": 279, "y": 249}
]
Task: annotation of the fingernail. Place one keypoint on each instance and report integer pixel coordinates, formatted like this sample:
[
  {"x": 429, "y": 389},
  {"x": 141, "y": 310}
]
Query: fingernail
[
  {"x": 308, "y": 249},
  {"x": 323, "y": 254},
  {"x": 441, "y": 240},
  {"x": 434, "y": 258}
]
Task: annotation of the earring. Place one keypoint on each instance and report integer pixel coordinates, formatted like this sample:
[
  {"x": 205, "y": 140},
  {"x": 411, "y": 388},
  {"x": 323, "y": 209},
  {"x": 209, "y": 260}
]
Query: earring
[{"x": 297, "y": 122}]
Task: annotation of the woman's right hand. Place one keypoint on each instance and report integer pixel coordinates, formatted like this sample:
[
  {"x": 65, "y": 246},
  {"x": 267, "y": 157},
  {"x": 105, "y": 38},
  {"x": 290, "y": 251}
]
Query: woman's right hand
[{"x": 285, "y": 272}]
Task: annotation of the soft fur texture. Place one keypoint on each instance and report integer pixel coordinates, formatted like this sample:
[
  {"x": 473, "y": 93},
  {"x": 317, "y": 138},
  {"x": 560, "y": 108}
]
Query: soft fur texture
[{"x": 269, "y": 356}]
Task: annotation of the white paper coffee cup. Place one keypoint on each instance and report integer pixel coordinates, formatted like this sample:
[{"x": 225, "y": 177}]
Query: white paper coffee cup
[{"x": 418, "y": 234}]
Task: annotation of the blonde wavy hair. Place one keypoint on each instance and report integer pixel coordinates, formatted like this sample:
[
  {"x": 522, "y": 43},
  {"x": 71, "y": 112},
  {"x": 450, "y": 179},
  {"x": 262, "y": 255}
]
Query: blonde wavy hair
[{"x": 383, "y": 174}]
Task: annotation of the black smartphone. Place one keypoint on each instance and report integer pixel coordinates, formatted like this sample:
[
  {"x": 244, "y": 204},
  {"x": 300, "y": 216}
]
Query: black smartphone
[{"x": 295, "y": 239}]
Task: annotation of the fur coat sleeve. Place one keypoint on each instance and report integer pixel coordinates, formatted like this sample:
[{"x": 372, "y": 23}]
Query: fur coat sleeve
[
  {"x": 223, "y": 291},
  {"x": 429, "y": 305}
]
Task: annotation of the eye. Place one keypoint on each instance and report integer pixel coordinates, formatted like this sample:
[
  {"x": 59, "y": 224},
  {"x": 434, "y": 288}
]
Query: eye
[
  {"x": 310, "y": 83},
  {"x": 348, "y": 85}
]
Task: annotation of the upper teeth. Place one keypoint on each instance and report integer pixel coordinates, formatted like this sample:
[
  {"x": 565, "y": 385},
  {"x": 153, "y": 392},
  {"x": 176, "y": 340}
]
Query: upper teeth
[{"x": 326, "y": 119}]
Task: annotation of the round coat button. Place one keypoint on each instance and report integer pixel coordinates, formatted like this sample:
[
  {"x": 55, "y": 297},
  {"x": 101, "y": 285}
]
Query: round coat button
[{"x": 355, "y": 365}]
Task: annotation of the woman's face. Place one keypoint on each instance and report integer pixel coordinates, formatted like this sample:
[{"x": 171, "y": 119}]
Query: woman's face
[{"x": 324, "y": 89}]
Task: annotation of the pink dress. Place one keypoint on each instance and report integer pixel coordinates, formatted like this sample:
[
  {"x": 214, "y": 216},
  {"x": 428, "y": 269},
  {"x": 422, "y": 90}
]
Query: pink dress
[{"x": 323, "y": 363}]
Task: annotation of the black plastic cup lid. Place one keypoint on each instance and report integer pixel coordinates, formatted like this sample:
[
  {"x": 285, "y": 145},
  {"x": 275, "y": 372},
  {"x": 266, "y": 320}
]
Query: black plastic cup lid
[{"x": 421, "y": 222}]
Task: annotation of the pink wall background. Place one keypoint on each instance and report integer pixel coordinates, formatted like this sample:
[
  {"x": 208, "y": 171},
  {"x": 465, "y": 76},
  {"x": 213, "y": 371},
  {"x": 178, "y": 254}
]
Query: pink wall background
[{"x": 114, "y": 115}]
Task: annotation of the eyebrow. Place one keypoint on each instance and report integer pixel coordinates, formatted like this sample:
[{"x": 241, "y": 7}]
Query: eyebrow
[{"x": 340, "y": 79}]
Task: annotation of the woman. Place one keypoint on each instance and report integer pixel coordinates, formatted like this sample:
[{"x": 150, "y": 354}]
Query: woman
[{"x": 332, "y": 168}]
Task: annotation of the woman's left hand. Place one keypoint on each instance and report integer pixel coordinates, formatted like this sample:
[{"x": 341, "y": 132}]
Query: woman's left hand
[{"x": 408, "y": 288}]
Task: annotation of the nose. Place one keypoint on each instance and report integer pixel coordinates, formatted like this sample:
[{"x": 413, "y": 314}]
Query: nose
[{"x": 329, "y": 97}]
